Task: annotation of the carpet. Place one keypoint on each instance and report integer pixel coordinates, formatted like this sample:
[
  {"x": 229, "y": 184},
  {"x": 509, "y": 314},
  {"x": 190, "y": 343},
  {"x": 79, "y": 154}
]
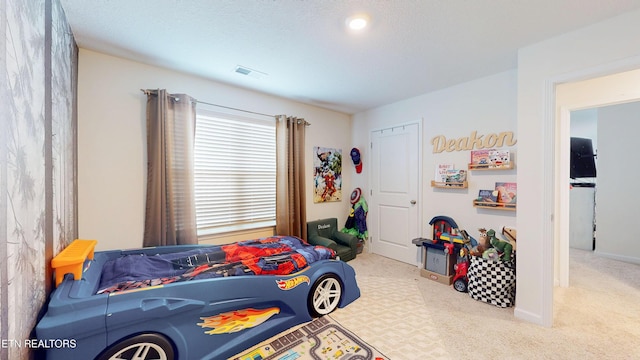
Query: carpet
[{"x": 322, "y": 338}]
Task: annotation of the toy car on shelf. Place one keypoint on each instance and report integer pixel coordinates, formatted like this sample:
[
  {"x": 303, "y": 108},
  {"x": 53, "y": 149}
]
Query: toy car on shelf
[{"x": 190, "y": 301}]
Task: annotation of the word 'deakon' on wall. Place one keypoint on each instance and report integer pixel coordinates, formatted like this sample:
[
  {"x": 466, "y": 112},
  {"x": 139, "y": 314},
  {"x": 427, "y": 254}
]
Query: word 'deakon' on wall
[{"x": 474, "y": 141}]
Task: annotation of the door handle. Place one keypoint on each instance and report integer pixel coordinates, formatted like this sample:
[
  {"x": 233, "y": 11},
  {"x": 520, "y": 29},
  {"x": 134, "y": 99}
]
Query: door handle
[{"x": 413, "y": 202}]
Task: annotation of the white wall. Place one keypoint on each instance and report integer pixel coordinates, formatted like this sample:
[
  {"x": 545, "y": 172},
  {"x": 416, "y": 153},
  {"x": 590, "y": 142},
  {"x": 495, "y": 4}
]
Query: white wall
[
  {"x": 111, "y": 162},
  {"x": 112, "y": 136},
  {"x": 606, "y": 47},
  {"x": 616, "y": 125},
  {"x": 617, "y": 205},
  {"x": 584, "y": 124},
  {"x": 486, "y": 105}
]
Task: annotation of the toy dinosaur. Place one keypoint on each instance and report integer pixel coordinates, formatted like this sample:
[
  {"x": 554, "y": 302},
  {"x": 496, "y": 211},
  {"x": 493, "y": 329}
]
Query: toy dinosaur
[{"x": 504, "y": 247}]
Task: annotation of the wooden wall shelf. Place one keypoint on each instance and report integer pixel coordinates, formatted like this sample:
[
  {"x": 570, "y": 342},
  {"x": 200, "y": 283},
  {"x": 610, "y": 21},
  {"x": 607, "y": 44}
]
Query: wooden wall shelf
[
  {"x": 494, "y": 205},
  {"x": 449, "y": 185},
  {"x": 508, "y": 166}
]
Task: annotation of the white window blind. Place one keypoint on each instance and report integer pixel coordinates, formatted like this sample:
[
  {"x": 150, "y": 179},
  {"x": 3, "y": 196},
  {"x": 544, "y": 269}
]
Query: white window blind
[{"x": 235, "y": 173}]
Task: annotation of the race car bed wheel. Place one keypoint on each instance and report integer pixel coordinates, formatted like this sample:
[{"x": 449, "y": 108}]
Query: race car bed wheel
[
  {"x": 325, "y": 295},
  {"x": 141, "y": 347}
]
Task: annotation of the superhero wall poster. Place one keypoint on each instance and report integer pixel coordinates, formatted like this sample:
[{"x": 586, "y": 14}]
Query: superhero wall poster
[{"x": 327, "y": 174}]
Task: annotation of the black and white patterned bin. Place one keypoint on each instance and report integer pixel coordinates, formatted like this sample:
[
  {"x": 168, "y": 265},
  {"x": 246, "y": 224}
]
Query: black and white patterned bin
[{"x": 493, "y": 282}]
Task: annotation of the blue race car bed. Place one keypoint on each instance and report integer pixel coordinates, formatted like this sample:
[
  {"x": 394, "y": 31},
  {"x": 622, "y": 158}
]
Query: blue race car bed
[{"x": 188, "y": 302}]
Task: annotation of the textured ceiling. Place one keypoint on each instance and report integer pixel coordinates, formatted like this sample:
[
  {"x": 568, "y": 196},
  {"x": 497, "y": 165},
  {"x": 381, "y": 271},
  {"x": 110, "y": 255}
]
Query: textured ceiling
[{"x": 411, "y": 47}]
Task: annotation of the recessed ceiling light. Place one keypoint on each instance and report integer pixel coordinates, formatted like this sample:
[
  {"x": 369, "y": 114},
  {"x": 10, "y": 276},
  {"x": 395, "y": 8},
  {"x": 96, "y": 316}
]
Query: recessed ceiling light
[{"x": 357, "y": 22}]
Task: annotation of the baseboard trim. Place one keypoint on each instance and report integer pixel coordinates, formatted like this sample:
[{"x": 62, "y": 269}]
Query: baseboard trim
[
  {"x": 628, "y": 259},
  {"x": 529, "y": 317}
]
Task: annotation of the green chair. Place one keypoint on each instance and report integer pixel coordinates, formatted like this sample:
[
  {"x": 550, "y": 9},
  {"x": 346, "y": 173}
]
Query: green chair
[{"x": 325, "y": 233}]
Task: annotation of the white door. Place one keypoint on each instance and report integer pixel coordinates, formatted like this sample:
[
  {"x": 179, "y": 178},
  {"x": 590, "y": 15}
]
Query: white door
[{"x": 394, "y": 210}]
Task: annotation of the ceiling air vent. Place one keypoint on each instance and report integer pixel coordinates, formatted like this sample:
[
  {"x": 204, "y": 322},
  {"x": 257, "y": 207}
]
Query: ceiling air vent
[{"x": 249, "y": 72}]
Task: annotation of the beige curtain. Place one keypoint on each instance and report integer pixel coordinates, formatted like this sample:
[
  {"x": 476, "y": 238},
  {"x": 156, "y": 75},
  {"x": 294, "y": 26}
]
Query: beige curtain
[
  {"x": 170, "y": 210},
  {"x": 291, "y": 216}
]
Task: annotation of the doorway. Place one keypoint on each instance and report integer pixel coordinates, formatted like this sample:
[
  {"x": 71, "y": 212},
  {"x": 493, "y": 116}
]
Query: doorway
[
  {"x": 395, "y": 191},
  {"x": 596, "y": 92},
  {"x": 583, "y": 172}
]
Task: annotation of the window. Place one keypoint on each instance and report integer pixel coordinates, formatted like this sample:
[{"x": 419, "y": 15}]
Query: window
[{"x": 235, "y": 172}]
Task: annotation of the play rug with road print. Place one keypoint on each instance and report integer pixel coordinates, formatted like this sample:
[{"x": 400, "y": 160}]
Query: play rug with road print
[{"x": 322, "y": 338}]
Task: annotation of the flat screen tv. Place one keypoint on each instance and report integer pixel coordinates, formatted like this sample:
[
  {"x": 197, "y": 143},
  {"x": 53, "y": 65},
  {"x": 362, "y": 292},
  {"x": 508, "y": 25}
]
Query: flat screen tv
[{"x": 583, "y": 163}]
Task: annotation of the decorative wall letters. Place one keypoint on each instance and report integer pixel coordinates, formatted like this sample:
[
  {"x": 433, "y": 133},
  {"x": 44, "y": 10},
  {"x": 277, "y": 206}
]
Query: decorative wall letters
[{"x": 474, "y": 141}]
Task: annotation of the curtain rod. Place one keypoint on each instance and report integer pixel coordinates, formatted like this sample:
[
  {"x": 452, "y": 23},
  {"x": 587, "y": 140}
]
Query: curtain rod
[
  {"x": 232, "y": 108},
  {"x": 147, "y": 92}
]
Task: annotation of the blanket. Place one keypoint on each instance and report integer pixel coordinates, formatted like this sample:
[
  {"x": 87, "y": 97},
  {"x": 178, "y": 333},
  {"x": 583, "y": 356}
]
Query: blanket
[{"x": 277, "y": 255}]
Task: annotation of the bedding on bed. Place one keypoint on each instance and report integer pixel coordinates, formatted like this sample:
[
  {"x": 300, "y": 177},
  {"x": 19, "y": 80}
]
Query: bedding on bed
[{"x": 277, "y": 255}]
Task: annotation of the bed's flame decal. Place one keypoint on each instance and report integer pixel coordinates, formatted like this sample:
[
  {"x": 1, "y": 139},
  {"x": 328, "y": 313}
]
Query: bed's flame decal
[
  {"x": 293, "y": 282},
  {"x": 234, "y": 321}
]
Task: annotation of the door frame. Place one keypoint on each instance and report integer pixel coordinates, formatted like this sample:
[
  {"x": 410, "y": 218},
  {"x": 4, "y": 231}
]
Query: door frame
[
  {"x": 556, "y": 192},
  {"x": 420, "y": 199}
]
